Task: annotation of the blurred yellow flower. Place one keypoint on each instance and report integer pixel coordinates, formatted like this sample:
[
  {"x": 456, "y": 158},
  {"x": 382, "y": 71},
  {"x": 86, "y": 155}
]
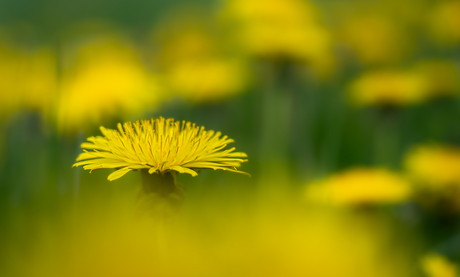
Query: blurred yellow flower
[
  {"x": 206, "y": 80},
  {"x": 196, "y": 64},
  {"x": 374, "y": 38},
  {"x": 40, "y": 82},
  {"x": 103, "y": 78},
  {"x": 159, "y": 146},
  {"x": 435, "y": 172},
  {"x": 280, "y": 29},
  {"x": 360, "y": 186},
  {"x": 10, "y": 99},
  {"x": 387, "y": 87},
  {"x": 29, "y": 78},
  {"x": 435, "y": 265},
  {"x": 441, "y": 77},
  {"x": 436, "y": 166},
  {"x": 444, "y": 22}
]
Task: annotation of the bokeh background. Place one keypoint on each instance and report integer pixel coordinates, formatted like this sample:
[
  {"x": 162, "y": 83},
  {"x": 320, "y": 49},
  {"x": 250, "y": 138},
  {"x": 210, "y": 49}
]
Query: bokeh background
[{"x": 348, "y": 111}]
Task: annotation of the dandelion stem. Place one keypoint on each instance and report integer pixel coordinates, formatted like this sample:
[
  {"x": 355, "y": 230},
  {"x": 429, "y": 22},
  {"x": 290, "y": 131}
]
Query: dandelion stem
[
  {"x": 162, "y": 184},
  {"x": 160, "y": 194}
]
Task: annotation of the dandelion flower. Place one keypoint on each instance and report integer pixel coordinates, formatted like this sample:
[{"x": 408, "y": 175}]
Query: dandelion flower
[
  {"x": 108, "y": 70},
  {"x": 159, "y": 146},
  {"x": 444, "y": 23},
  {"x": 375, "y": 38},
  {"x": 437, "y": 166},
  {"x": 388, "y": 88},
  {"x": 435, "y": 172},
  {"x": 441, "y": 77},
  {"x": 28, "y": 79},
  {"x": 286, "y": 29},
  {"x": 361, "y": 186},
  {"x": 196, "y": 64}
]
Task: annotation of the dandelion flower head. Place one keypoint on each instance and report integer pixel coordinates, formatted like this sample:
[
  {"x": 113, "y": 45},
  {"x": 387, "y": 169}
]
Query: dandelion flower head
[
  {"x": 28, "y": 79},
  {"x": 375, "y": 38},
  {"x": 436, "y": 166},
  {"x": 441, "y": 77},
  {"x": 394, "y": 88},
  {"x": 361, "y": 186},
  {"x": 444, "y": 23},
  {"x": 103, "y": 78},
  {"x": 159, "y": 146},
  {"x": 281, "y": 29},
  {"x": 197, "y": 65}
]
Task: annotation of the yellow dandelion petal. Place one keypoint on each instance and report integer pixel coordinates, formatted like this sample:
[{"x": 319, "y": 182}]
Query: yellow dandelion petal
[
  {"x": 159, "y": 146},
  {"x": 182, "y": 169},
  {"x": 118, "y": 174}
]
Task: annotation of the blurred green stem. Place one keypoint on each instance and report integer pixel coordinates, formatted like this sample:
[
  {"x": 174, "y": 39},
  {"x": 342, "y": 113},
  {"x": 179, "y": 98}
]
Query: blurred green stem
[
  {"x": 335, "y": 121},
  {"x": 275, "y": 124},
  {"x": 386, "y": 140},
  {"x": 160, "y": 195}
]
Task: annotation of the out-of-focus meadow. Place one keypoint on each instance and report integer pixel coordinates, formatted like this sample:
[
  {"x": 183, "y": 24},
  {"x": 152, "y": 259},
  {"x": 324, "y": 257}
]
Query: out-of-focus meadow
[{"x": 349, "y": 112}]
